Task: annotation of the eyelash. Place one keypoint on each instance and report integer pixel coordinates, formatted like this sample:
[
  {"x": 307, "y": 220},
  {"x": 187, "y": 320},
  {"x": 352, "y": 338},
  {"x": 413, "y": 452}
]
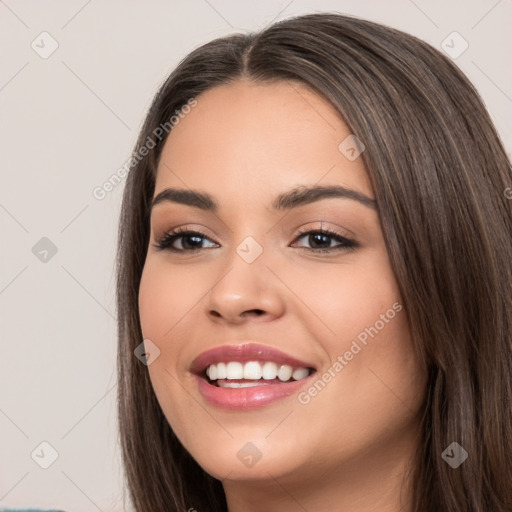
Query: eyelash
[{"x": 345, "y": 244}]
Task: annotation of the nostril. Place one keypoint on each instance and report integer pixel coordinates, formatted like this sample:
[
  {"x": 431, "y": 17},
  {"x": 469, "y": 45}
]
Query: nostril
[
  {"x": 249, "y": 312},
  {"x": 257, "y": 312}
]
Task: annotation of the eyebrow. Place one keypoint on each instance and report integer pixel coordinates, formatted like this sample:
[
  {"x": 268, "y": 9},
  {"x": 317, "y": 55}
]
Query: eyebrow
[{"x": 292, "y": 199}]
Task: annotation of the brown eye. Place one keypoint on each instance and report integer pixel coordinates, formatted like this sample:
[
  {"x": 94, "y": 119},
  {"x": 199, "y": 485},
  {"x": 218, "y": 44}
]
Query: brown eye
[
  {"x": 320, "y": 240},
  {"x": 189, "y": 241}
]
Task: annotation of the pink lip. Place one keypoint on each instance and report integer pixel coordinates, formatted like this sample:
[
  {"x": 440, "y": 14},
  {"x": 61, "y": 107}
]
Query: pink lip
[{"x": 246, "y": 398}]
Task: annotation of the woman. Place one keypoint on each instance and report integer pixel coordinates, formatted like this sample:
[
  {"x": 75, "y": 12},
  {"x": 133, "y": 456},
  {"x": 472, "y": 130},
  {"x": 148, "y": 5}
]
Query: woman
[{"x": 315, "y": 247}]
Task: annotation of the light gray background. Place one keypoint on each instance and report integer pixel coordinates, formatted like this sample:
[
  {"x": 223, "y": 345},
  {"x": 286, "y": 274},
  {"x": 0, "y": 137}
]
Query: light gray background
[{"x": 68, "y": 122}]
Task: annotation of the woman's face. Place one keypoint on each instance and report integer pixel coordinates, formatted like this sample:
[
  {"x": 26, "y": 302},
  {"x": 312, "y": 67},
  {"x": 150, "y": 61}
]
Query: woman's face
[{"x": 303, "y": 333}]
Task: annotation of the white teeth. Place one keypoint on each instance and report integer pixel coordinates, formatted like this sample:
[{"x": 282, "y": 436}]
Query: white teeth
[
  {"x": 269, "y": 370},
  {"x": 227, "y": 384},
  {"x": 234, "y": 370},
  {"x": 253, "y": 371},
  {"x": 285, "y": 372},
  {"x": 221, "y": 370},
  {"x": 298, "y": 374}
]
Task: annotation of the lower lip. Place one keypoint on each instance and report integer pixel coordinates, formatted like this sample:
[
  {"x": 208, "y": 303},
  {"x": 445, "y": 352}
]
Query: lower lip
[{"x": 248, "y": 398}]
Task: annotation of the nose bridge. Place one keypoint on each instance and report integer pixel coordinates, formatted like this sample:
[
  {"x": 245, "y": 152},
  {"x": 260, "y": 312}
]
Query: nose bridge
[{"x": 246, "y": 284}]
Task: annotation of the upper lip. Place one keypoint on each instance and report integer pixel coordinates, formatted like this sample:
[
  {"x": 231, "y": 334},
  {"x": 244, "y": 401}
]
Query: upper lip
[{"x": 247, "y": 351}]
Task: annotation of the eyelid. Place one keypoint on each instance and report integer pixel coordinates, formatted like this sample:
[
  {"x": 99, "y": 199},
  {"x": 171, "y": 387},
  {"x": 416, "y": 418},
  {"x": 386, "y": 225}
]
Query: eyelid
[
  {"x": 185, "y": 228},
  {"x": 338, "y": 230}
]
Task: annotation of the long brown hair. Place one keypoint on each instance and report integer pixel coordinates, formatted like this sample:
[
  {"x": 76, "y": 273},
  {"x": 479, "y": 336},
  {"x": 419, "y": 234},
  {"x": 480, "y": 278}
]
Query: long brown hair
[{"x": 440, "y": 175}]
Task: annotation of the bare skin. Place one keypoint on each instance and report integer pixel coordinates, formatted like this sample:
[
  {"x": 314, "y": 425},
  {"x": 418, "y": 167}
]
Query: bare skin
[{"x": 347, "y": 446}]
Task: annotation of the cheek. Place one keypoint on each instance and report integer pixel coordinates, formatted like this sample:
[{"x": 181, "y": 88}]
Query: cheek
[
  {"x": 165, "y": 297},
  {"x": 161, "y": 306},
  {"x": 347, "y": 298},
  {"x": 373, "y": 364},
  {"x": 154, "y": 302},
  {"x": 375, "y": 384}
]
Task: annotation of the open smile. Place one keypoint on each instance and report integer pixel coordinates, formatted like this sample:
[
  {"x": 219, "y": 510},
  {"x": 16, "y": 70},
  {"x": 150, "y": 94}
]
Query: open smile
[{"x": 248, "y": 376}]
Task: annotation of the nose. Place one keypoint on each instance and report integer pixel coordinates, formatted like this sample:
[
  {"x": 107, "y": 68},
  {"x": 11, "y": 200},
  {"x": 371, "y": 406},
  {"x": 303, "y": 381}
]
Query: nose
[{"x": 245, "y": 292}]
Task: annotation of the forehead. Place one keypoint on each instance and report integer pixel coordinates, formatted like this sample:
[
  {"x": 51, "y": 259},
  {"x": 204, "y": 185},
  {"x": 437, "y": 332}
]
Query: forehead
[{"x": 250, "y": 139}]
